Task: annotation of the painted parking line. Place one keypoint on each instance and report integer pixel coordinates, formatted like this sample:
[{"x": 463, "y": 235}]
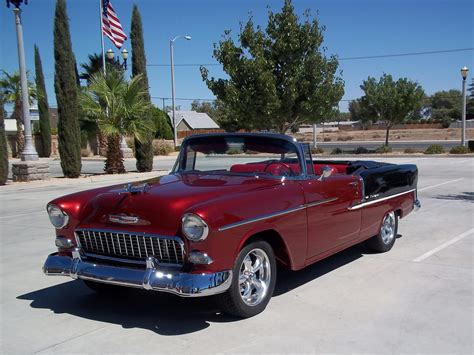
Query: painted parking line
[
  {"x": 461, "y": 161},
  {"x": 443, "y": 246},
  {"x": 443, "y": 183}
]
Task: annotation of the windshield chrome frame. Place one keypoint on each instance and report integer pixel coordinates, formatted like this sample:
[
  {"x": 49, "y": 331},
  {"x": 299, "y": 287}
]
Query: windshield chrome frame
[{"x": 298, "y": 148}]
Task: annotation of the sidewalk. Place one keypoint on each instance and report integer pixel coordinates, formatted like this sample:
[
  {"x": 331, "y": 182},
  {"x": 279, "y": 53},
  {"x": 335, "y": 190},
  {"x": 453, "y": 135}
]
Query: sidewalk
[{"x": 84, "y": 179}]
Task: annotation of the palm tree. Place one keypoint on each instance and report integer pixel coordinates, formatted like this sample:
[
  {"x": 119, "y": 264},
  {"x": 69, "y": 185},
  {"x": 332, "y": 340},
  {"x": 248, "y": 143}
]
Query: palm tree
[
  {"x": 10, "y": 85},
  {"x": 119, "y": 108},
  {"x": 94, "y": 66}
]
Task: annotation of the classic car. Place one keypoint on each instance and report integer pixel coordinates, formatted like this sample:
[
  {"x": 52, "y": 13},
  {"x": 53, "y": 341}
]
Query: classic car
[{"x": 233, "y": 206}]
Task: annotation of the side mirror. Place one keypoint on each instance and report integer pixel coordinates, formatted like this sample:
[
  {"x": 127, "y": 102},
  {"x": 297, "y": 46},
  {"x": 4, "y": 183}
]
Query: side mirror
[{"x": 326, "y": 172}]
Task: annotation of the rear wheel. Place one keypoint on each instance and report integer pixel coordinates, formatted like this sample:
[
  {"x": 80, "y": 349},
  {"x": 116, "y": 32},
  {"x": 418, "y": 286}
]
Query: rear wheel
[
  {"x": 254, "y": 277},
  {"x": 384, "y": 241}
]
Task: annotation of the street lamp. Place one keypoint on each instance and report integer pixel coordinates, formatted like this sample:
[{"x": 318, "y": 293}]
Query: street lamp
[
  {"x": 110, "y": 56},
  {"x": 29, "y": 151},
  {"x": 175, "y": 133},
  {"x": 464, "y": 73}
]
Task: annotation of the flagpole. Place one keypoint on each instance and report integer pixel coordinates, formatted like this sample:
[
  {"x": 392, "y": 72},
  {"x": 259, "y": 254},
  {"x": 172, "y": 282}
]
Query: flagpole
[{"x": 101, "y": 12}]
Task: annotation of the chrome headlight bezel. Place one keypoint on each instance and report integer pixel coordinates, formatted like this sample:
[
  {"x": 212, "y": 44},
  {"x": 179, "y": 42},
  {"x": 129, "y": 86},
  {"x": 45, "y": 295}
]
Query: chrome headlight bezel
[
  {"x": 194, "y": 227},
  {"x": 58, "y": 218}
]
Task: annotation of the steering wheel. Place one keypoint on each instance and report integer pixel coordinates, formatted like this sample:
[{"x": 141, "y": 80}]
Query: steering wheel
[{"x": 278, "y": 170}]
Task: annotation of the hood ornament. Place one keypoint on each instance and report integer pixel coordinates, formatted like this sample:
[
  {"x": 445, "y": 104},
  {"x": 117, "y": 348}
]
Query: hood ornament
[
  {"x": 134, "y": 189},
  {"x": 123, "y": 219}
]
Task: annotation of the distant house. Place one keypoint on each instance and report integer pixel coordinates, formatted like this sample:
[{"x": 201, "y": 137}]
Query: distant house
[
  {"x": 193, "y": 121},
  {"x": 10, "y": 124}
]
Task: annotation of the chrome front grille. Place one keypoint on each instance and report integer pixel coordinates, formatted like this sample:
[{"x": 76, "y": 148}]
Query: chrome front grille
[{"x": 131, "y": 246}]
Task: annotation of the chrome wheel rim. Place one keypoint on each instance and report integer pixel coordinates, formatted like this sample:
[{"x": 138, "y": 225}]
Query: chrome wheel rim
[
  {"x": 254, "y": 277},
  {"x": 387, "y": 231}
]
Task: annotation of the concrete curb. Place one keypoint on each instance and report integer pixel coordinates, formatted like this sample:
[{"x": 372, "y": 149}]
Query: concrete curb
[{"x": 129, "y": 177}]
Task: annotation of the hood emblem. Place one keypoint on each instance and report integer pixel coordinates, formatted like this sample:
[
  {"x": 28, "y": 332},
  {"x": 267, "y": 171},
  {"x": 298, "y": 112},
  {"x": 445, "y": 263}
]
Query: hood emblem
[
  {"x": 133, "y": 189},
  {"x": 123, "y": 219}
]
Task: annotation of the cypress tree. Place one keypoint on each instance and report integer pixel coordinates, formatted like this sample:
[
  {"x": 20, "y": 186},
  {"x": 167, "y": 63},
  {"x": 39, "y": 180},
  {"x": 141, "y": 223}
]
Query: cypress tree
[
  {"x": 43, "y": 108},
  {"x": 69, "y": 137},
  {"x": 3, "y": 145},
  {"x": 143, "y": 150}
]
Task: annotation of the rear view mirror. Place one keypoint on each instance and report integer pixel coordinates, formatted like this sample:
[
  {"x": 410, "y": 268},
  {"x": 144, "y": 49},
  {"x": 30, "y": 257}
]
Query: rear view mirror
[{"x": 325, "y": 172}]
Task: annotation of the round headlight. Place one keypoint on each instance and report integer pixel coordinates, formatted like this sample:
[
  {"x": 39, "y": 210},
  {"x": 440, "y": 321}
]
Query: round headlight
[
  {"x": 194, "y": 228},
  {"x": 59, "y": 219}
]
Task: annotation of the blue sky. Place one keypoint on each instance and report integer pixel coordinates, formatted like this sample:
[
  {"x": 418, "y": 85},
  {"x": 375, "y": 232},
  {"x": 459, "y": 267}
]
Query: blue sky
[{"x": 353, "y": 28}]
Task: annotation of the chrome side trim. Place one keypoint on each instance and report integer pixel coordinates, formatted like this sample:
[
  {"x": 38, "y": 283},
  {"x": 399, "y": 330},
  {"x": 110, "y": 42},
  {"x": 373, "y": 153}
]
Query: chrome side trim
[
  {"x": 322, "y": 202},
  {"x": 275, "y": 214},
  {"x": 261, "y": 218},
  {"x": 368, "y": 203}
]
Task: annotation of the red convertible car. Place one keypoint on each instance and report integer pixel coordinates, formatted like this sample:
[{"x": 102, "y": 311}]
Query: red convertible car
[{"x": 233, "y": 207}]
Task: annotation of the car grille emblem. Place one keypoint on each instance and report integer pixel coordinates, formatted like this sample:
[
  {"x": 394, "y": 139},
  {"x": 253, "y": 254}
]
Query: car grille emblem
[{"x": 123, "y": 219}]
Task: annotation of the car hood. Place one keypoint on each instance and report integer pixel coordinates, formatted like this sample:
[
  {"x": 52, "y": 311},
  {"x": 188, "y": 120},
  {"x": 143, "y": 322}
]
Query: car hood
[{"x": 158, "y": 204}]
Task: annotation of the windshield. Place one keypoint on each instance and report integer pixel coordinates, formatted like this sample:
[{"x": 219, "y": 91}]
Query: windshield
[{"x": 239, "y": 154}]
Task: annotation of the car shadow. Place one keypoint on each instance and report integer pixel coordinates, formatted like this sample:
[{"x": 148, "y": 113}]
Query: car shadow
[
  {"x": 164, "y": 313},
  {"x": 289, "y": 280},
  {"x": 463, "y": 196}
]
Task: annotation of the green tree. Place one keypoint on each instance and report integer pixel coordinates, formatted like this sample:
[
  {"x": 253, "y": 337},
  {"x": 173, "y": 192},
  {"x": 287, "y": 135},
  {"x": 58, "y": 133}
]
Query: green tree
[
  {"x": 43, "y": 107},
  {"x": 278, "y": 77},
  {"x": 162, "y": 124},
  {"x": 3, "y": 145},
  {"x": 127, "y": 112},
  {"x": 358, "y": 115},
  {"x": 391, "y": 101},
  {"x": 445, "y": 105},
  {"x": 10, "y": 86},
  {"x": 143, "y": 148},
  {"x": 470, "y": 102},
  {"x": 69, "y": 135}
]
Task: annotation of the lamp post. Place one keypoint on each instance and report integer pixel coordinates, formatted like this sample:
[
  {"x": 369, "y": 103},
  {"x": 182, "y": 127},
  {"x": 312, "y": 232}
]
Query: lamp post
[
  {"x": 126, "y": 151},
  {"x": 29, "y": 151},
  {"x": 110, "y": 56},
  {"x": 464, "y": 73},
  {"x": 175, "y": 133}
]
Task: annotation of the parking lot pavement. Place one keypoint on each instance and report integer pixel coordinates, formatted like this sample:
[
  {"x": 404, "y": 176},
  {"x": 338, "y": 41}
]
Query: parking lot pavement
[{"x": 417, "y": 298}]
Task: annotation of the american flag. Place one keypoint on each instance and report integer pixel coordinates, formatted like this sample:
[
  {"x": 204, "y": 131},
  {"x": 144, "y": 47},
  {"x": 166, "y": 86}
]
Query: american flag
[{"x": 111, "y": 26}]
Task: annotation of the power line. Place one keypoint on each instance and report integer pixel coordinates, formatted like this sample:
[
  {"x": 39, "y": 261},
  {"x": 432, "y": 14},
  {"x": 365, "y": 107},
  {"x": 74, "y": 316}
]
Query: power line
[{"x": 407, "y": 54}]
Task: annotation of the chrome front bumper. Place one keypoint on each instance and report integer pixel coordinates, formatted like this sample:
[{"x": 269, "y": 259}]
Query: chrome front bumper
[{"x": 152, "y": 278}]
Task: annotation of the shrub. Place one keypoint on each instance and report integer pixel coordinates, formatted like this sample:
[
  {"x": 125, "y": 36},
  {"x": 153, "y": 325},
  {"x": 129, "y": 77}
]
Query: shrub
[
  {"x": 161, "y": 147},
  {"x": 445, "y": 123},
  {"x": 54, "y": 131},
  {"x": 361, "y": 150},
  {"x": 434, "y": 149},
  {"x": 345, "y": 138},
  {"x": 459, "y": 149},
  {"x": 410, "y": 151},
  {"x": 383, "y": 149},
  {"x": 317, "y": 150},
  {"x": 327, "y": 139},
  {"x": 336, "y": 151},
  {"x": 85, "y": 153},
  {"x": 234, "y": 151}
]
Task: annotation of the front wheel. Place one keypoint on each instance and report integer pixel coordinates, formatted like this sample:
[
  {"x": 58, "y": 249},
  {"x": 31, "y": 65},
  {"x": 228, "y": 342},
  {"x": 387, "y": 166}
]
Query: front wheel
[
  {"x": 254, "y": 277},
  {"x": 384, "y": 241}
]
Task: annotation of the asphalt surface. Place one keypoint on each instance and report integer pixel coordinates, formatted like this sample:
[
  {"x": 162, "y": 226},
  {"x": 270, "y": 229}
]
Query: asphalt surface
[{"x": 417, "y": 298}]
